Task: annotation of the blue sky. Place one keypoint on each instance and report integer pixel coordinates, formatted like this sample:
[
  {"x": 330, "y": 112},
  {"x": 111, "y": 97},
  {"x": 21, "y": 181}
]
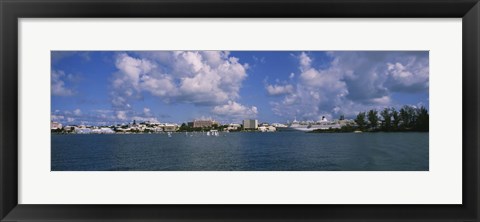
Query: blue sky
[{"x": 112, "y": 87}]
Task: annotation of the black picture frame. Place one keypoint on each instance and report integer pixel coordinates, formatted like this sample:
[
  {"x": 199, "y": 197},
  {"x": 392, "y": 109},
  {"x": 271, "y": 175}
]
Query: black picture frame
[{"x": 11, "y": 11}]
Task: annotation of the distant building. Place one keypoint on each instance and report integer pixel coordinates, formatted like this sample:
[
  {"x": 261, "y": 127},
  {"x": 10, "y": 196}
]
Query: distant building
[
  {"x": 267, "y": 129},
  {"x": 202, "y": 123},
  {"x": 55, "y": 125},
  {"x": 105, "y": 130},
  {"x": 83, "y": 130},
  {"x": 69, "y": 128},
  {"x": 250, "y": 124},
  {"x": 233, "y": 126},
  {"x": 170, "y": 127}
]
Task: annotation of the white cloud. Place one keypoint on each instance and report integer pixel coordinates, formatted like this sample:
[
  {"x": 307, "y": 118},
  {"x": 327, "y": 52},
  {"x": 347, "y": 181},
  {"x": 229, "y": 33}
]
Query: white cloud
[
  {"x": 384, "y": 100},
  {"x": 275, "y": 90},
  {"x": 353, "y": 82},
  {"x": 77, "y": 112},
  {"x": 235, "y": 111},
  {"x": 57, "y": 117},
  {"x": 201, "y": 78},
  {"x": 147, "y": 111},
  {"x": 58, "y": 87},
  {"x": 305, "y": 61},
  {"x": 121, "y": 115},
  {"x": 409, "y": 75},
  {"x": 132, "y": 68}
]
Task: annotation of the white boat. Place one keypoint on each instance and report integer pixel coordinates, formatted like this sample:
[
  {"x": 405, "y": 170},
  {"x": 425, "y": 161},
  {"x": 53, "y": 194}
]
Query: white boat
[
  {"x": 169, "y": 134},
  {"x": 214, "y": 132},
  {"x": 307, "y": 126}
]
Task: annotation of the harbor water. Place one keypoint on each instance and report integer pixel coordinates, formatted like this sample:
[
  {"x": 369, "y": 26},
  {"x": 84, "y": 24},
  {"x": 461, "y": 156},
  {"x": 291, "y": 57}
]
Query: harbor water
[{"x": 243, "y": 151}]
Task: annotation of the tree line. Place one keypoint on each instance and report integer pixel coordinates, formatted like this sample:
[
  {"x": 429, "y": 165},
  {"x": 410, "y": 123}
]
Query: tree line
[{"x": 408, "y": 118}]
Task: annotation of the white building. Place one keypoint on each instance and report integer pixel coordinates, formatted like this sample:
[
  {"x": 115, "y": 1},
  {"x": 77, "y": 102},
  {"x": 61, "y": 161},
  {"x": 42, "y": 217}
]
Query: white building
[
  {"x": 55, "y": 125},
  {"x": 83, "y": 130},
  {"x": 167, "y": 127},
  {"x": 106, "y": 130},
  {"x": 233, "y": 126},
  {"x": 250, "y": 124},
  {"x": 267, "y": 129}
]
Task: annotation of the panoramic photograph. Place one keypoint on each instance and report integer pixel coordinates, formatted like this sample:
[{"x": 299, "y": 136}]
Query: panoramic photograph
[{"x": 239, "y": 110}]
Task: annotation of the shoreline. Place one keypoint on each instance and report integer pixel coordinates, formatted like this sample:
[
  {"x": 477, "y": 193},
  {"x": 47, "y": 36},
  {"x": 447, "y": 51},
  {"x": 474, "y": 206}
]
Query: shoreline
[{"x": 282, "y": 132}]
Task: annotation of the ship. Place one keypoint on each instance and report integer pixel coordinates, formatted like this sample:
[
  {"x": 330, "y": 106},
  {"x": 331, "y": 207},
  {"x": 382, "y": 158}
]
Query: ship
[{"x": 307, "y": 126}]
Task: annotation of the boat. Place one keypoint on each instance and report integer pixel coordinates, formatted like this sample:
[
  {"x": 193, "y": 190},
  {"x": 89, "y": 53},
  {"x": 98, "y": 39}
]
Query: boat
[
  {"x": 307, "y": 126},
  {"x": 214, "y": 132},
  {"x": 169, "y": 134},
  {"x": 280, "y": 126}
]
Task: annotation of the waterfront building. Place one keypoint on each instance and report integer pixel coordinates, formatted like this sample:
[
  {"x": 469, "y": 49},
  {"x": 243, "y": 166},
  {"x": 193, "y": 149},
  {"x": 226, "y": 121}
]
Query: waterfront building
[
  {"x": 106, "y": 130},
  {"x": 154, "y": 129},
  {"x": 233, "y": 126},
  {"x": 83, "y": 130},
  {"x": 103, "y": 130},
  {"x": 267, "y": 129},
  {"x": 55, "y": 125},
  {"x": 250, "y": 124},
  {"x": 202, "y": 123},
  {"x": 170, "y": 127},
  {"x": 69, "y": 128}
]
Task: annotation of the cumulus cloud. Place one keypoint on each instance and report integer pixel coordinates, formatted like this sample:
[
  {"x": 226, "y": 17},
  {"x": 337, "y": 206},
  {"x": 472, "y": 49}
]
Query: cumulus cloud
[
  {"x": 305, "y": 61},
  {"x": 353, "y": 82},
  {"x": 203, "y": 78},
  {"x": 58, "y": 87},
  {"x": 410, "y": 75},
  {"x": 235, "y": 110},
  {"x": 275, "y": 90},
  {"x": 200, "y": 78}
]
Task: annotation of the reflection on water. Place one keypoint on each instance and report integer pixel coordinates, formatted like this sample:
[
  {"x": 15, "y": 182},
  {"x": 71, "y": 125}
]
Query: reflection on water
[{"x": 282, "y": 151}]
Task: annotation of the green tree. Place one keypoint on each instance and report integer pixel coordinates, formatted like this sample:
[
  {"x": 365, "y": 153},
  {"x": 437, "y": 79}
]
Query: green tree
[
  {"x": 387, "y": 119},
  {"x": 408, "y": 117},
  {"x": 373, "y": 119},
  {"x": 396, "y": 119},
  {"x": 360, "y": 120},
  {"x": 422, "y": 119},
  {"x": 184, "y": 127}
]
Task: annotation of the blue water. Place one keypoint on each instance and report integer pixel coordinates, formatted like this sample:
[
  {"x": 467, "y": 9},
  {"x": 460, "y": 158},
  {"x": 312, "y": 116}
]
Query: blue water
[{"x": 281, "y": 151}]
